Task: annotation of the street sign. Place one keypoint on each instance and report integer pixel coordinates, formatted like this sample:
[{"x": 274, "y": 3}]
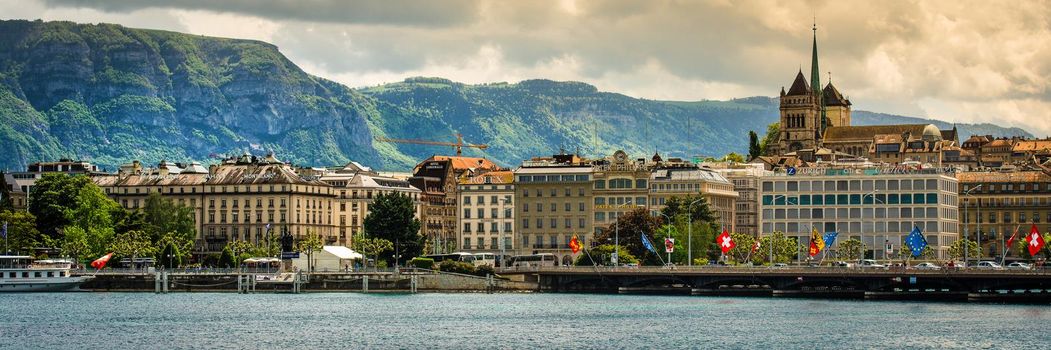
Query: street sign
[{"x": 289, "y": 255}]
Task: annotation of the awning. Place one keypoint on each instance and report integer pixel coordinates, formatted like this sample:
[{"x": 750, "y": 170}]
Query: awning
[{"x": 342, "y": 252}]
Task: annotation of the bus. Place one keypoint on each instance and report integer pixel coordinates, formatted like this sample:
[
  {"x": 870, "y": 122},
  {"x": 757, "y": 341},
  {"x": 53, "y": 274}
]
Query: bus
[
  {"x": 535, "y": 260},
  {"x": 485, "y": 259},
  {"x": 461, "y": 257}
]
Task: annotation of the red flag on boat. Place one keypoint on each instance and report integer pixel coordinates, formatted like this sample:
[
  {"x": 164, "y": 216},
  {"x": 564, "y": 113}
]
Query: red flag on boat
[
  {"x": 1035, "y": 242},
  {"x": 99, "y": 263},
  {"x": 726, "y": 242}
]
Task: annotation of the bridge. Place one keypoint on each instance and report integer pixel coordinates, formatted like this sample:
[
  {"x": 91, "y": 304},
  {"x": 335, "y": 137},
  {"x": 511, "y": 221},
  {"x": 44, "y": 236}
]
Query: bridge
[{"x": 818, "y": 282}]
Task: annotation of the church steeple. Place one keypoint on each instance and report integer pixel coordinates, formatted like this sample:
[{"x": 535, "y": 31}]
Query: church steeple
[{"x": 815, "y": 84}]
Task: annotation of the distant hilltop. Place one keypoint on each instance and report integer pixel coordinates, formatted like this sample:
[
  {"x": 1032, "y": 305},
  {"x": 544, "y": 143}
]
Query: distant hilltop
[{"x": 111, "y": 94}]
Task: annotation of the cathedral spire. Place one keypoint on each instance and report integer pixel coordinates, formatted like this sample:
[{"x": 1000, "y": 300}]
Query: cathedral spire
[{"x": 815, "y": 84}]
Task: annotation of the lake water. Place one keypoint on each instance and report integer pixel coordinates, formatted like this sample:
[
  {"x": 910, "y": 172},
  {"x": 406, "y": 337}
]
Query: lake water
[{"x": 427, "y": 320}]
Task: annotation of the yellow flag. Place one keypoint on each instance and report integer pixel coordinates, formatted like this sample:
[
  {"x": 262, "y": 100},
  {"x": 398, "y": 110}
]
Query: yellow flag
[{"x": 816, "y": 238}]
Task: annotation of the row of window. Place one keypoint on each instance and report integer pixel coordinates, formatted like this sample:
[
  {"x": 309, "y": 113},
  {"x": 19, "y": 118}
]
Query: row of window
[
  {"x": 494, "y": 227},
  {"x": 616, "y": 184},
  {"x": 859, "y": 213},
  {"x": 554, "y": 207},
  {"x": 851, "y": 199},
  {"x": 494, "y": 243},
  {"x": 506, "y": 200},
  {"x": 990, "y": 187},
  {"x": 494, "y": 212},
  {"x": 858, "y": 185},
  {"x": 553, "y": 223},
  {"x": 900, "y": 227},
  {"x": 553, "y": 178},
  {"x": 554, "y": 192},
  {"x": 552, "y": 241},
  {"x": 1005, "y": 217},
  {"x": 34, "y": 274}
]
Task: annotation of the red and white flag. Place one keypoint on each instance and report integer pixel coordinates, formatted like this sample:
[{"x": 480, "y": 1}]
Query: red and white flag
[
  {"x": 1034, "y": 241},
  {"x": 99, "y": 263},
  {"x": 1012, "y": 239},
  {"x": 725, "y": 242}
]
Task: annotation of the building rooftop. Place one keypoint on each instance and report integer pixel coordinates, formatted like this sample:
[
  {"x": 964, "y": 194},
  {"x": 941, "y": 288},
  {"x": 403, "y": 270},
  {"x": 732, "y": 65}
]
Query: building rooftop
[{"x": 1004, "y": 177}]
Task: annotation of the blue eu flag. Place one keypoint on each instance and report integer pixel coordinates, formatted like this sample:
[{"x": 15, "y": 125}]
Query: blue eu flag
[
  {"x": 830, "y": 237},
  {"x": 5, "y": 229},
  {"x": 646, "y": 243},
  {"x": 916, "y": 242}
]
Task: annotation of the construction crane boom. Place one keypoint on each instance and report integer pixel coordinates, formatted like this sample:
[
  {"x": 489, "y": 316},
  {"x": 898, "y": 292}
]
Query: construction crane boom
[{"x": 458, "y": 144}]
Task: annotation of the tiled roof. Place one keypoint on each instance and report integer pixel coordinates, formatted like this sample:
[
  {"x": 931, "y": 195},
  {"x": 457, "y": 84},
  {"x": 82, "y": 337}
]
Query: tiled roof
[
  {"x": 833, "y": 97},
  {"x": 466, "y": 163},
  {"x": 867, "y": 132},
  {"x": 998, "y": 143},
  {"x": 1034, "y": 146},
  {"x": 799, "y": 86},
  {"x": 991, "y": 176}
]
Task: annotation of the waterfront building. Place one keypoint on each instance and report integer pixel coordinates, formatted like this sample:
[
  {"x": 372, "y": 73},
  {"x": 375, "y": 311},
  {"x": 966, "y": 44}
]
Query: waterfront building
[
  {"x": 994, "y": 204},
  {"x": 357, "y": 186},
  {"x": 681, "y": 179},
  {"x": 437, "y": 178},
  {"x": 487, "y": 213},
  {"x": 745, "y": 180},
  {"x": 233, "y": 200},
  {"x": 878, "y": 206},
  {"x": 553, "y": 199},
  {"x": 621, "y": 184},
  {"x": 20, "y": 183}
]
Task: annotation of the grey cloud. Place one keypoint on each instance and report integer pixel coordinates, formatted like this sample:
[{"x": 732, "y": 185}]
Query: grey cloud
[{"x": 392, "y": 12}]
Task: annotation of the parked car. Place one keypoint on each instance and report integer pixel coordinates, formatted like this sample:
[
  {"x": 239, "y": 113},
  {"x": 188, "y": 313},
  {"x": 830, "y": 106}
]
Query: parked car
[
  {"x": 989, "y": 265},
  {"x": 1019, "y": 266},
  {"x": 840, "y": 264},
  {"x": 927, "y": 266},
  {"x": 870, "y": 264},
  {"x": 780, "y": 265}
]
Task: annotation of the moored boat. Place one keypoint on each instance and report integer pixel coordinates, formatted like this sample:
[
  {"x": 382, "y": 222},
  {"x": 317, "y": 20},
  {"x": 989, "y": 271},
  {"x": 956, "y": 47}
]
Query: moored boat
[{"x": 24, "y": 274}]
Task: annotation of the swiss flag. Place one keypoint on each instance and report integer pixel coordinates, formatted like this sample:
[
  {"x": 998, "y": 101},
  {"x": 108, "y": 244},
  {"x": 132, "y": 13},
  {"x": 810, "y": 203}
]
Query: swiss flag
[
  {"x": 99, "y": 263},
  {"x": 725, "y": 242},
  {"x": 1034, "y": 241}
]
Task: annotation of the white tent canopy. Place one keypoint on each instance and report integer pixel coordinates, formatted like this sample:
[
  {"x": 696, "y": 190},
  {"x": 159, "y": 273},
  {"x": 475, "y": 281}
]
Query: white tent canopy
[{"x": 342, "y": 252}]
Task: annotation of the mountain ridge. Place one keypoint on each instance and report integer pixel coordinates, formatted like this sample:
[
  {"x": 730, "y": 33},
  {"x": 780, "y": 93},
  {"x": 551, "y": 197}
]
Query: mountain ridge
[{"x": 112, "y": 94}]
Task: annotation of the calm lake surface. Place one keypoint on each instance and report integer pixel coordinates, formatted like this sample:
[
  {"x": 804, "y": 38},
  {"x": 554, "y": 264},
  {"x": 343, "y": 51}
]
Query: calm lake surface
[{"x": 426, "y": 320}]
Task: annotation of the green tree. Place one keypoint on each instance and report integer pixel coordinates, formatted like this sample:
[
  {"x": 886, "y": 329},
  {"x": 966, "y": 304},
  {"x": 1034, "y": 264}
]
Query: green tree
[
  {"x": 170, "y": 256},
  {"x": 700, "y": 210},
  {"x": 163, "y": 216},
  {"x": 392, "y": 217},
  {"x": 75, "y": 244},
  {"x": 226, "y": 258},
  {"x": 602, "y": 254},
  {"x": 91, "y": 212},
  {"x": 754, "y": 150},
  {"x": 851, "y": 249},
  {"x": 182, "y": 246},
  {"x": 742, "y": 250},
  {"x": 372, "y": 246},
  {"x": 309, "y": 244},
  {"x": 51, "y": 200},
  {"x": 631, "y": 225},
  {"x": 956, "y": 250},
  {"x": 133, "y": 244},
  {"x": 240, "y": 250},
  {"x": 784, "y": 247},
  {"x": 772, "y": 134},
  {"x": 22, "y": 235},
  {"x": 733, "y": 157}
]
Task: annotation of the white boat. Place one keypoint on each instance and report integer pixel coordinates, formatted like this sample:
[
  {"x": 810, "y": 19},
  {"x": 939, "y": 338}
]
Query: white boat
[{"x": 24, "y": 274}]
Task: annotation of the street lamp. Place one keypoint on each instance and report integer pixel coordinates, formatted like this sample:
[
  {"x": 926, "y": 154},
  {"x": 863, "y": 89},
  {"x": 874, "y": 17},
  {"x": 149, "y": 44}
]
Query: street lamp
[
  {"x": 689, "y": 234},
  {"x": 771, "y": 243},
  {"x": 874, "y": 200},
  {"x": 966, "y": 245},
  {"x": 616, "y": 229}
]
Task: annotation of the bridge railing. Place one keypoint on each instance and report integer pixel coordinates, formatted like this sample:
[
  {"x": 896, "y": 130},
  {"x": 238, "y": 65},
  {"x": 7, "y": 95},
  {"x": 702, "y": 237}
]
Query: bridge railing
[{"x": 767, "y": 269}]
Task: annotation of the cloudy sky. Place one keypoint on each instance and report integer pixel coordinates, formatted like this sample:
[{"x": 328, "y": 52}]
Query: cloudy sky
[{"x": 959, "y": 61}]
